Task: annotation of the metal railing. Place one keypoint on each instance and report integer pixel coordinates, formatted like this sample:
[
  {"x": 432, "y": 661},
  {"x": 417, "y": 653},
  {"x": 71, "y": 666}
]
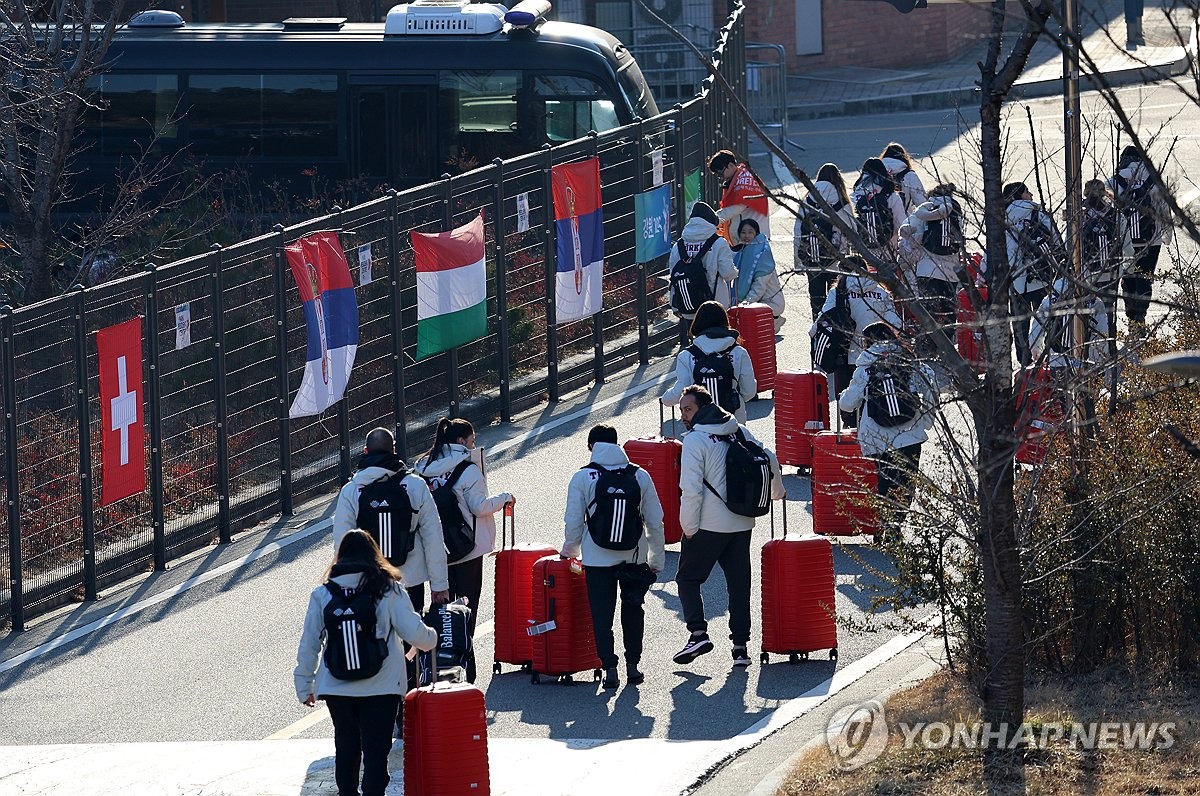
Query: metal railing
[
  {"x": 766, "y": 86},
  {"x": 223, "y": 454}
]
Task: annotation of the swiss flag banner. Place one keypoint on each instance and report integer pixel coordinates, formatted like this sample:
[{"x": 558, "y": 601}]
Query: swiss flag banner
[{"x": 122, "y": 425}]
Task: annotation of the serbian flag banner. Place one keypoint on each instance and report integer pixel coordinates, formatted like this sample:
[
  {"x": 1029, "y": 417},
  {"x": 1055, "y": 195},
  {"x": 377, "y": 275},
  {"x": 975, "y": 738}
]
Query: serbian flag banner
[
  {"x": 330, "y": 320},
  {"x": 579, "y": 266},
  {"x": 122, "y": 421},
  {"x": 451, "y": 288}
]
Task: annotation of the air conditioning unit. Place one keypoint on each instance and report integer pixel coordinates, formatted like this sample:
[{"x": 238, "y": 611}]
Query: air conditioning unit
[{"x": 670, "y": 68}]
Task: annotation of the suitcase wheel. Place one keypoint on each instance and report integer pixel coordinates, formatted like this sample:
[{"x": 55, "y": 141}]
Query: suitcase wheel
[
  {"x": 596, "y": 675},
  {"x": 794, "y": 658},
  {"x": 764, "y": 658},
  {"x": 833, "y": 654},
  {"x": 567, "y": 679},
  {"x": 496, "y": 668},
  {"x": 535, "y": 678}
]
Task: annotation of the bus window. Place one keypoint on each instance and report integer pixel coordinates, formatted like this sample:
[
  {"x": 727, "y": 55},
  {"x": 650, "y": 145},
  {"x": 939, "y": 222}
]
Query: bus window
[
  {"x": 134, "y": 108},
  {"x": 481, "y": 107},
  {"x": 574, "y": 106},
  {"x": 291, "y": 116}
]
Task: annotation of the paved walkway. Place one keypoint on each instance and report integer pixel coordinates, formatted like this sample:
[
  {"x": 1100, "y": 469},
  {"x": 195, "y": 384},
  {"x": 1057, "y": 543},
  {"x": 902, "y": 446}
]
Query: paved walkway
[{"x": 1170, "y": 43}]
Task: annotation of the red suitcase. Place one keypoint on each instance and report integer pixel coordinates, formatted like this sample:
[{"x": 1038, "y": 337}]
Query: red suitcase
[
  {"x": 968, "y": 336},
  {"x": 514, "y": 596},
  {"x": 563, "y": 639},
  {"x": 801, "y": 410},
  {"x": 756, "y": 324},
  {"x": 843, "y": 486},
  {"x": 798, "y": 602},
  {"x": 1039, "y": 413},
  {"x": 660, "y": 457},
  {"x": 445, "y": 740}
]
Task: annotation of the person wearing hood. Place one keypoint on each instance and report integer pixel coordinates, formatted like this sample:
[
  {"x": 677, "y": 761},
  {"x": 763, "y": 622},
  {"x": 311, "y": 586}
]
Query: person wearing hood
[
  {"x": 896, "y": 450},
  {"x": 1143, "y": 203},
  {"x": 879, "y": 208},
  {"x": 813, "y": 256},
  {"x": 937, "y": 265},
  {"x": 757, "y": 280},
  {"x": 604, "y": 568},
  {"x": 363, "y": 711},
  {"x": 454, "y": 446},
  {"x": 1106, "y": 247},
  {"x": 1028, "y": 285},
  {"x": 742, "y": 195},
  {"x": 711, "y": 336},
  {"x": 1052, "y": 332},
  {"x": 899, "y": 166},
  {"x": 712, "y": 534},
  {"x": 426, "y": 562},
  {"x": 719, "y": 270}
]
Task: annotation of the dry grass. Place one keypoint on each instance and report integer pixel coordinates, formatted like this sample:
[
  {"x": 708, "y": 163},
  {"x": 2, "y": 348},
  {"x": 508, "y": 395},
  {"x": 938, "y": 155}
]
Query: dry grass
[{"x": 1113, "y": 694}]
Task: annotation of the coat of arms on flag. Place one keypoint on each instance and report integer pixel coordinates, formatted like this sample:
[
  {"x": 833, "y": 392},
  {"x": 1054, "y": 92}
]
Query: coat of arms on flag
[
  {"x": 579, "y": 227},
  {"x": 122, "y": 430},
  {"x": 451, "y": 288},
  {"x": 330, "y": 318}
]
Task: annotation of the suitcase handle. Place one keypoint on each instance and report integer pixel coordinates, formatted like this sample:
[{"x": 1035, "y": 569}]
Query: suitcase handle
[
  {"x": 662, "y": 418},
  {"x": 783, "y": 508},
  {"x": 508, "y": 525}
]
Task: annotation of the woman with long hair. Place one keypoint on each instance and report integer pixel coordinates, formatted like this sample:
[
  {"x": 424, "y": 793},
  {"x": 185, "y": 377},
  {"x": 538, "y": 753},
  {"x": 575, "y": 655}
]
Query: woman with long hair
[
  {"x": 1106, "y": 245},
  {"x": 715, "y": 359},
  {"x": 363, "y": 710},
  {"x": 879, "y": 208},
  {"x": 454, "y": 451},
  {"x": 817, "y": 242},
  {"x": 899, "y": 165}
]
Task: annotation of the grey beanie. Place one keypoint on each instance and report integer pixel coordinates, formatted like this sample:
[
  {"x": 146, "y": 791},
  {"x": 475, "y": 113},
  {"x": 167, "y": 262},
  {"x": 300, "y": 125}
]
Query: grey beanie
[{"x": 704, "y": 210}]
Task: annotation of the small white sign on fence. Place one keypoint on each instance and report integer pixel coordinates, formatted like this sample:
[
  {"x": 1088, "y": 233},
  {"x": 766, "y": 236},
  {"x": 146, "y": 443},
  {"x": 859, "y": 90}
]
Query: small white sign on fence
[
  {"x": 522, "y": 212},
  {"x": 183, "y": 326},
  {"x": 364, "y": 264},
  {"x": 656, "y": 159}
]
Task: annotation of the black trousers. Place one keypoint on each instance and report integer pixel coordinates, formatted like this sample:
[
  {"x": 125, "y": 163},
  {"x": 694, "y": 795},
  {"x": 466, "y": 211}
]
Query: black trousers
[
  {"x": 841, "y": 380},
  {"x": 938, "y": 298},
  {"x": 362, "y": 734},
  {"x": 1022, "y": 306},
  {"x": 602, "y": 597},
  {"x": 466, "y": 580},
  {"x": 696, "y": 560},
  {"x": 895, "y": 470},
  {"x": 1138, "y": 283},
  {"x": 685, "y": 332},
  {"x": 819, "y": 285}
]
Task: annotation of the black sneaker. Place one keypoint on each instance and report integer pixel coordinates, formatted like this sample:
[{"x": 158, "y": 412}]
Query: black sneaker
[
  {"x": 695, "y": 647},
  {"x": 610, "y": 678},
  {"x": 741, "y": 657},
  {"x": 634, "y": 675}
]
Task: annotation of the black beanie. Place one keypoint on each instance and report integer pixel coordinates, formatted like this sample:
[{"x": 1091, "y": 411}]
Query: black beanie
[{"x": 704, "y": 210}]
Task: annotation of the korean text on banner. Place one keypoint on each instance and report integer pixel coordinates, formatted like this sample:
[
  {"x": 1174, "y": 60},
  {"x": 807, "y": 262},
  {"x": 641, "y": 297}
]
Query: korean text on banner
[
  {"x": 122, "y": 421},
  {"x": 330, "y": 320},
  {"x": 652, "y": 209},
  {"x": 579, "y": 229},
  {"x": 451, "y": 288}
]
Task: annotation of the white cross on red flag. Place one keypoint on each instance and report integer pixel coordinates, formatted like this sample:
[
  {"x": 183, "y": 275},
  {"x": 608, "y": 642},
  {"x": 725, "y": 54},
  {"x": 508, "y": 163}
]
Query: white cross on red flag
[{"x": 122, "y": 426}]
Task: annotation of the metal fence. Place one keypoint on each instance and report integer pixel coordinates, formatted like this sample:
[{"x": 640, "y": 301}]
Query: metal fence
[{"x": 222, "y": 453}]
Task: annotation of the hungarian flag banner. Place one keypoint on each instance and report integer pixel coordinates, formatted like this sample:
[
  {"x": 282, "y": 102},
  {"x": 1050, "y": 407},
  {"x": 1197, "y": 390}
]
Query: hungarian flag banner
[
  {"x": 330, "y": 319},
  {"x": 451, "y": 288},
  {"x": 122, "y": 421},
  {"x": 579, "y": 226}
]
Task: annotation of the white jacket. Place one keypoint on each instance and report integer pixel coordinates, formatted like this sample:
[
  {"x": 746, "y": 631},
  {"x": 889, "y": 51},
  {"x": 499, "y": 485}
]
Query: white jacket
[
  {"x": 1095, "y": 324},
  {"x": 869, "y": 303},
  {"x": 846, "y": 213},
  {"x": 395, "y": 620},
  {"x": 1019, "y": 212},
  {"x": 580, "y": 493},
  {"x": 1132, "y": 177},
  {"x": 743, "y": 371},
  {"x": 427, "y": 561},
  {"x": 895, "y": 203},
  {"x": 873, "y": 438},
  {"x": 704, "y": 460},
  {"x": 718, "y": 262},
  {"x": 911, "y": 185},
  {"x": 930, "y": 265},
  {"x": 471, "y": 489}
]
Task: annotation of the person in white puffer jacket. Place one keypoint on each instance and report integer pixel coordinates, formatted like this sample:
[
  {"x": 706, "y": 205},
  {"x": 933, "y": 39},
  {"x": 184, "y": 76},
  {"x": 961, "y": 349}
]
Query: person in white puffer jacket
[
  {"x": 811, "y": 254},
  {"x": 1148, "y": 215},
  {"x": 711, "y": 335},
  {"x": 900, "y": 166},
  {"x": 879, "y": 209},
  {"x": 1028, "y": 286},
  {"x": 712, "y": 533},
  {"x": 1052, "y": 332},
  {"x": 718, "y": 263},
  {"x": 937, "y": 269},
  {"x": 633, "y": 570},
  {"x": 454, "y": 445}
]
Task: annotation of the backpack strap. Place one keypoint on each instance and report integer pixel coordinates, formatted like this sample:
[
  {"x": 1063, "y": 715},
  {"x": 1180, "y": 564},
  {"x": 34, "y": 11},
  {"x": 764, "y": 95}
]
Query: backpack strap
[
  {"x": 457, "y": 472},
  {"x": 726, "y": 438}
]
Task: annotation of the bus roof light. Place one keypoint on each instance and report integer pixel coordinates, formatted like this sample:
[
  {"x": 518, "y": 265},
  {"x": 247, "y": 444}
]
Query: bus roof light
[
  {"x": 528, "y": 14},
  {"x": 443, "y": 17},
  {"x": 156, "y": 19}
]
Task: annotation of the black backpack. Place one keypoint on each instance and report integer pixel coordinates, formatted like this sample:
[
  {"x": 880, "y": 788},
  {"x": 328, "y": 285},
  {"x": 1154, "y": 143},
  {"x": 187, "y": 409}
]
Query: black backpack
[
  {"x": 1134, "y": 200},
  {"x": 715, "y": 373},
  {"x": 944, "y": 236},
  {"x": 458, "y": 534},
  {"x": 1042, "y": 252},
  {"x": 385, "y": 511},
  {"x": 875, "y": 222},
  {"x": 898, "y": 182},
  {"x": 689, "y": 280},
  {"x": 747, "y": 476},
  {"x": 814, "y": 247},
  {"x": 1100, "y": 240},
  {"x": 891, "y": 401},
  {"x": 615, "y": 518},
  {"x": 455, "y": 650},
  {"x": 352, "y": 652},
  {"x": 1060, "y": 331},
  {"x": 835, "y": 329}
]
